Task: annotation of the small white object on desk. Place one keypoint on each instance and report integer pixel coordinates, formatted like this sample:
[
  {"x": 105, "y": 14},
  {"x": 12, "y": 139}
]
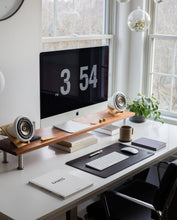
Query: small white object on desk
[
  {"x": 130, "y": 150},
  {"x": 108, "y": 129},
  {"x": 96, "y": 153},
  {"x": 61, "y": 183}
]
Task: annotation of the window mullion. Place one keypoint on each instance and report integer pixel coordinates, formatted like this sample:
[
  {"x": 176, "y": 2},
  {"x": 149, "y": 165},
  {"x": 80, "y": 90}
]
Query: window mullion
[
  {"x": 54, "y": 18},
  {"x": 74, "y": 19},
  {"x": 173, "y": 74},
  {"x": 76, "y": 38},
  {"x": 105, "y": 17},
  {"x": 163, "y": 36},
  {"x": 150, "y": 64},
  {"x": 90, "y": 18},
  {"x": 171, "y": 94},
  {"x": 61, "y": 18},
  {"x": 163, "y": 31},
  {"x": 161, "y": 74}
]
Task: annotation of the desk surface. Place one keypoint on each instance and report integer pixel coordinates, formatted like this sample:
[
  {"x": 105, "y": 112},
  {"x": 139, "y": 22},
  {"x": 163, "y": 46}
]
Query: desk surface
[{"x": 20, "y": 201}]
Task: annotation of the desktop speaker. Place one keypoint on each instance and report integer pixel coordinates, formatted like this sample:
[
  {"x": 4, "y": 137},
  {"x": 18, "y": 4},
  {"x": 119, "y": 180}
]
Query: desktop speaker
[
  {"x": 22, "y": 128},
  {"x": 118, "y": 101}
]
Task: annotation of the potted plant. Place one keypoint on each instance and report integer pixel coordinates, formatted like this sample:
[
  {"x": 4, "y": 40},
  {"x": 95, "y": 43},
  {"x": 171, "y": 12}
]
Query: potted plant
[{"x": 144, "y": 107}]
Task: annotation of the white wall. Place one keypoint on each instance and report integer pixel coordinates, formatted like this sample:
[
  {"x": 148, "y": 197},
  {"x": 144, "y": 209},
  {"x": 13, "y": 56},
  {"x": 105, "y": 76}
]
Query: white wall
[
  {"x": 20, "y": 38},
  {"x": 129, "y": 51},
  {"x": 136, "y": 56},
  {"x": 123, "y": 47}
]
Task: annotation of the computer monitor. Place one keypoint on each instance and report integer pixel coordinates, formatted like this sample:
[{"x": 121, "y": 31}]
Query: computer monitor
[{"x": 72, "y": 83}]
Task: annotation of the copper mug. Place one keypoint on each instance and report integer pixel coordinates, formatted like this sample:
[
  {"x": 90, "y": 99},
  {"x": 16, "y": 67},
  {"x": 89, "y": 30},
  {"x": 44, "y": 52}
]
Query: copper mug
[{"x": 126, "y": 133}]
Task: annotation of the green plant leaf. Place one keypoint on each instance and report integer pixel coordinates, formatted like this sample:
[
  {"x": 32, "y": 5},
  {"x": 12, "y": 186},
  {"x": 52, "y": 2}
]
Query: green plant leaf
[{"x": 146, "y": 106}]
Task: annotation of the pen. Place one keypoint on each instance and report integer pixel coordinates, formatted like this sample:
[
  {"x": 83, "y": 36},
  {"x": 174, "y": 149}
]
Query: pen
[{"x": 97, "y": 152}]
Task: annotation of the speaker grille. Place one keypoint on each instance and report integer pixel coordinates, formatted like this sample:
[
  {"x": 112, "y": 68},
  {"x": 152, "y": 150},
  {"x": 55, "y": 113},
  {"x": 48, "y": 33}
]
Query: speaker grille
[
  {"x": 120, "y": 101},
  {"x": 25, "y": 128}
]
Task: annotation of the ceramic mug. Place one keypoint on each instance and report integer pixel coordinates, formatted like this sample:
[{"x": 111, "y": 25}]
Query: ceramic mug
[{"x": 126, "y": 133}]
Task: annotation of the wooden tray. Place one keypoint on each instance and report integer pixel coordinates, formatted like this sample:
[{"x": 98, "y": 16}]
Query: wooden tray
[{"x": 52, "y": 135}]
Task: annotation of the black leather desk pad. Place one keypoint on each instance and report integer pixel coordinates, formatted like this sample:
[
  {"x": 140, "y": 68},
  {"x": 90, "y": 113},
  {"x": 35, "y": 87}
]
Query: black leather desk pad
[{"x": 81, "y": 161}]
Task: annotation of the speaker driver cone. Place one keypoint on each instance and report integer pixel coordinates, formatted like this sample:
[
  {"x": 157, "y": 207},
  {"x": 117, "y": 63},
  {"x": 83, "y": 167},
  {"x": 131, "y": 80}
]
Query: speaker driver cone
[
  {"x": 25, "y": 129},
  {"x": 118, "y": 101}
]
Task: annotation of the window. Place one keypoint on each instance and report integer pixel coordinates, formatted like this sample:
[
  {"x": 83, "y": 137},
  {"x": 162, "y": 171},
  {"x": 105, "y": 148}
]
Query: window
[
  {"x": 163, "y": 56},
  {"x": 70, "y": 24}
]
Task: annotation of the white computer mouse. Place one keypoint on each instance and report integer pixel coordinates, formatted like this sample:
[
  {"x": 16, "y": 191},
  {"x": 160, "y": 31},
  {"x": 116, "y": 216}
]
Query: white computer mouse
[{"x": 131, "y": 150}]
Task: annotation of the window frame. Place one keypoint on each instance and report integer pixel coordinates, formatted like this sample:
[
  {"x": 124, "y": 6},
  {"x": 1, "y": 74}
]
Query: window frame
[
  {"x": 77, "y": 37},
  {"x": 168, "y": 115},
  {"x": 108, "y": 10}
]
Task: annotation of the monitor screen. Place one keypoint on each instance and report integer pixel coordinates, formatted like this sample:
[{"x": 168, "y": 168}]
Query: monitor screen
[{"x": 73, "y": 79}]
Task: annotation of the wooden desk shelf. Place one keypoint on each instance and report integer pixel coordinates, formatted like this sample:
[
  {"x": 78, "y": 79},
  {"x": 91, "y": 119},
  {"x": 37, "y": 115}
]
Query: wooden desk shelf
[{"x": 58, "y": 135}]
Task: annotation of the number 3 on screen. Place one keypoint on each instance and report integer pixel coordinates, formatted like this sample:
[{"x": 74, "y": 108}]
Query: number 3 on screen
[{"x": 65, "y": 89}]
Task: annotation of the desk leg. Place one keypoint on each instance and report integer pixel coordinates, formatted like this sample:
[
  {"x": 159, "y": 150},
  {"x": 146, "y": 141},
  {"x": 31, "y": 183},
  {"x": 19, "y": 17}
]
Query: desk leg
[
  {"x": 5, "y": 157},
  {"x": 20, "y": 162},
  {"x": 71, "y": 214}
]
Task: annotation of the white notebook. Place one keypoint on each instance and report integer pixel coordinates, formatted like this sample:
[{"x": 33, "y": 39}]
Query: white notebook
[{"x": 61, "y": 183}]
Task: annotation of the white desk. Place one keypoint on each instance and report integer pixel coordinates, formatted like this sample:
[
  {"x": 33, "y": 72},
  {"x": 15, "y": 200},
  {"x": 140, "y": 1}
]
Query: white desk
[{"x": 19, "y": 200}]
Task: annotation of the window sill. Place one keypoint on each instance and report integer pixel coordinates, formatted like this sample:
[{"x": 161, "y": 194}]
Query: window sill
[{"x": 169, "y": 120}]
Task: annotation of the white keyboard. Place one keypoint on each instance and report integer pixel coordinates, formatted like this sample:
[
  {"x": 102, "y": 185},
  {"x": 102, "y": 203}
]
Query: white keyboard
[
  {"x": 106, "y": 161},
  {"x": 71, "y": 126}
]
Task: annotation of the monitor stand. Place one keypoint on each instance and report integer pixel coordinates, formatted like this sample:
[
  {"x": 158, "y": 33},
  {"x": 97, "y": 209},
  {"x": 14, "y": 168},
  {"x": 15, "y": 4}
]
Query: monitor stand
[{"x": 71, "y": 126}]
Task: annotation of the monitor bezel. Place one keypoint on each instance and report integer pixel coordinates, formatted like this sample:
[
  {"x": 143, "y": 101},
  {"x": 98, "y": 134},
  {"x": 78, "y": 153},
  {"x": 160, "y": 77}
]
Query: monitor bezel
[{"x": 76, "y": 113}]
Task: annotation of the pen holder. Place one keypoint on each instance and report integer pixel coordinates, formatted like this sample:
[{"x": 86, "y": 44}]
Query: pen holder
[{"x": 126, "y": 133}]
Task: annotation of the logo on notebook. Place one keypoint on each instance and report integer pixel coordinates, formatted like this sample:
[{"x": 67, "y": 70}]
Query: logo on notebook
[{"x": 59, "y": 180}]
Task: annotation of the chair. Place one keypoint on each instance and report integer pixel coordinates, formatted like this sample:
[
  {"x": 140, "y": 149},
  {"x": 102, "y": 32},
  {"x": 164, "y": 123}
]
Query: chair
[{"x": 140, "y": 200}]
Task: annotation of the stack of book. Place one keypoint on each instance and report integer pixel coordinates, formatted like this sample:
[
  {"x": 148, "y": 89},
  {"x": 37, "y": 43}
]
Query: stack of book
[{"x": 76, "y": 143}]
